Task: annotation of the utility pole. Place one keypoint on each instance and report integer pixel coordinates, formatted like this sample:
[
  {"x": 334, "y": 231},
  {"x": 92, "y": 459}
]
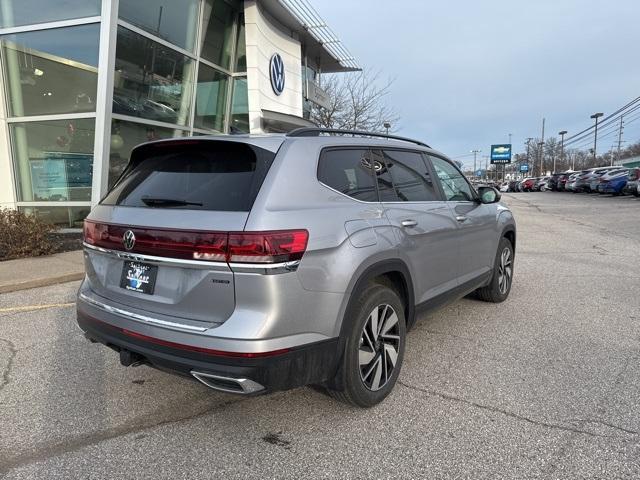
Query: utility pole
[
  {"x": 619, "y": 140},
  {"x": 595, "y": 116},
  {"x": 541, "y": 144},
  {"x": 562, "y": 134},
  {"x": 475, "y": 153}
]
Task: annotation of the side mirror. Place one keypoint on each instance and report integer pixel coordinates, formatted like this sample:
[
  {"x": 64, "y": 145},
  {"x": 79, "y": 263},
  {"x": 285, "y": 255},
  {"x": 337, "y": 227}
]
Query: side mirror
[{"x": 488, "y": 195}]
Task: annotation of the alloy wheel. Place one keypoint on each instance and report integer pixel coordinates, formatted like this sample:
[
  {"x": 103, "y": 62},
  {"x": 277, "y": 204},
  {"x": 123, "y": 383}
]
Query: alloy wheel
[
  {"x": 505, "y": 271},
  {"x": 379, "y": 347}
]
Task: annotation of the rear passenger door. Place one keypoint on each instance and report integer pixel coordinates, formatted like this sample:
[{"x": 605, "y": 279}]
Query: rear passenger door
[
  {"x": 422, "y": 221},
  {"x": 476, "y": 222}
]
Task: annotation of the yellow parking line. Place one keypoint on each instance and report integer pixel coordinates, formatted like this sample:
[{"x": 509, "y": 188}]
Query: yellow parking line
[{"x": 35, "y": 307}]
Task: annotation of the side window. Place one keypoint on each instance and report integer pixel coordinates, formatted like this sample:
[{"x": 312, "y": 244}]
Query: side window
[
  {"x": 410, "y": 176},
  {"x": 386, "y": 189},
  {"x": 454, "y": 185},
  {"x": 348, "y": 171}
]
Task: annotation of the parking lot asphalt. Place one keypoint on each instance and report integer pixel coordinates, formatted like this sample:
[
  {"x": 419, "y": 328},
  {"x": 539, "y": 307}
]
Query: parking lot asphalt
[{"x": 545, "y": 385}]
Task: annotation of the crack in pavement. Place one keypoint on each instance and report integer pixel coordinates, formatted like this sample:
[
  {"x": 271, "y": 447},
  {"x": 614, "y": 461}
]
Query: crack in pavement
[
  {"x": 507, "y": 413},
  {"x": 75, "y": 444},
  {"x": 6, "y": 372}
]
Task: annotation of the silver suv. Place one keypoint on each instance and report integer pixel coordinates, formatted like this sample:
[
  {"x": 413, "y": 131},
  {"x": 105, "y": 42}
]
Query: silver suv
[{"x": 261, "y": 263}]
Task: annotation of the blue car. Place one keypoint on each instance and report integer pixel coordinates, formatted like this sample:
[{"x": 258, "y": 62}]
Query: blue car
[{"x": 614, "y": 181}]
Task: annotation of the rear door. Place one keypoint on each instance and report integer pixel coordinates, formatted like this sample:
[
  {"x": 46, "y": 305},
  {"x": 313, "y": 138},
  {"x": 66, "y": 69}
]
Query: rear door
[
  {"x": 476, "y": 222},
  {"x": 152, "y": 243},
  {"x": 421, "y": 219}
]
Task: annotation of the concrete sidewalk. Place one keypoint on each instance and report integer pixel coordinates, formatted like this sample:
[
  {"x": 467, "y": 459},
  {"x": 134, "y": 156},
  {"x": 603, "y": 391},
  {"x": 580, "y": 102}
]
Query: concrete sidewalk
[{"x": 41, "y": 271}]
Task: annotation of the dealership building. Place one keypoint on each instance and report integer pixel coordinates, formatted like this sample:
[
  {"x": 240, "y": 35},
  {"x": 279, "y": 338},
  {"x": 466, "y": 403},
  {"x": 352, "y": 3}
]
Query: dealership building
[{"x": 84, "y": 81}]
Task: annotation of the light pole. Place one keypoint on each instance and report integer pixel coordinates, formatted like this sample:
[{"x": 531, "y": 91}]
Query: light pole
[
  {"x": 541, "y": 148},
  {"x": 387, "y": 126},
  {"x": 595, "y": 116},
  {"x": 475, "y": 153},
  {"x": 529, "y": 158},
  {"x": 562, "y": 134}
]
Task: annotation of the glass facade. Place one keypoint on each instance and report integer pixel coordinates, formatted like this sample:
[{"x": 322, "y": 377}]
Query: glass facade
[
  {"x": 151, "y": 81},
  {"x": 27, "y": 12},
  {"x": 126, "y": 135},
  {"x": 175, "y": 22},
  {"x": 53, "y": 159},
  {"x": 51, "y": 71},
  {"x": 179, "y": 69}
]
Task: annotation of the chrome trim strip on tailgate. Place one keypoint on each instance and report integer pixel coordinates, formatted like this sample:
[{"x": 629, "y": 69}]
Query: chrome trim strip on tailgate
[
  {"x": 141, "y": 318},
  {"x": 263, "y": 269},
  {"x": 139, "y": 257}
]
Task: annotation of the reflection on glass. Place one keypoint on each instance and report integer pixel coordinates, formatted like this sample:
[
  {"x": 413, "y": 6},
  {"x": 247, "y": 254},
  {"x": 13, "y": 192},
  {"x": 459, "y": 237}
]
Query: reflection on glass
[
  {"x": 241, "y": 47},
  {"x": 210, "y": 99},
  {"x": 27, "y": 12},
  {"x": 51, "y": 71},
  {"x": 65, "y": 217},
  {"x": 125, "y": 136},
  {"x": 240, "y": 107},
  {"x": 151, "y": 80},
  {"x": 217, "y": 31},
  {"x": 53, "y": 159},
  {"x": 175, "y": 22}
]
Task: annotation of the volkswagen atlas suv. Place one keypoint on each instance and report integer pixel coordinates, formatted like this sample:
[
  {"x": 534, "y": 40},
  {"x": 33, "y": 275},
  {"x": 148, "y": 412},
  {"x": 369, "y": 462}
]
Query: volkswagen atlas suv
[{"x": 262, "y": 263}]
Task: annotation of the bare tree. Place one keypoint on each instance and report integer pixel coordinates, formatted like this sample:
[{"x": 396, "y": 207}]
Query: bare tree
[{"x": 356, "y": 102}]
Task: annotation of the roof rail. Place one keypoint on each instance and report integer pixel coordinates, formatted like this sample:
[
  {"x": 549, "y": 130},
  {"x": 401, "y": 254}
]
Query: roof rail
[{"x": 316, "y": 131}]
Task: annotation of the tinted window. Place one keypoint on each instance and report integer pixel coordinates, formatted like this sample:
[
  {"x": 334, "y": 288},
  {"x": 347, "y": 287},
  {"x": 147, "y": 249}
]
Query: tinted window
[
  {"x": 410, "y": 176},
  {"x": 386, "y": 189},
  {"x": 349, "y": 172},
  {"x": 224, "y": 176},
  {"x": 454, "y": 185}
]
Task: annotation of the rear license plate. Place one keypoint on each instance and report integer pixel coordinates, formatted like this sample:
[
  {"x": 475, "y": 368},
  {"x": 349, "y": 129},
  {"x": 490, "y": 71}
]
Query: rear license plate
[{"x": 139, "y": 277}]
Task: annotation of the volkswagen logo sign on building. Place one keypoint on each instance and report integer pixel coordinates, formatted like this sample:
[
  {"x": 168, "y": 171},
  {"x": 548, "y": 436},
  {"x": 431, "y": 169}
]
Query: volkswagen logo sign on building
[
  {"x": 276, "y": 73},
  {"x": 128, "y": 239}
]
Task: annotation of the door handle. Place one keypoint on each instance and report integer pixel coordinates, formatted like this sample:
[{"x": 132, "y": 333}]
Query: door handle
[
  {"x": 461, "y": 218},
  {"x": 409, "y": 223}
]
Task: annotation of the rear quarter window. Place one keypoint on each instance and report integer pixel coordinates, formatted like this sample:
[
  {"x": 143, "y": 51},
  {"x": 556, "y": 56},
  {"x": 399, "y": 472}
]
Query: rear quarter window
[
  {"x": 349, "y": 171},
  {"x": 195, "y": 175}
]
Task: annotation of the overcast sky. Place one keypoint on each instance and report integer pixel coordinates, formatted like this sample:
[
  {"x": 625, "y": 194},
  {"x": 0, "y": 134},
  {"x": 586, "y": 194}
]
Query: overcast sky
[{"x": 468, "y": 73}]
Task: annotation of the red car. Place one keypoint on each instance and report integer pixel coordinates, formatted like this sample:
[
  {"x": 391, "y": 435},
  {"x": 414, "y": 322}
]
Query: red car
[{"x": 528, "y": 184}]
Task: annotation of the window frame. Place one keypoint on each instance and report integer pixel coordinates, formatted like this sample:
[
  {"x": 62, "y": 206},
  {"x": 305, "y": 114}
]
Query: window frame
[
  {"x": 425, "y": 158},
  {"x": 476, "y": 197},
  {"x": 342, "y": 148},
  {"x": 428, "y": 166}
]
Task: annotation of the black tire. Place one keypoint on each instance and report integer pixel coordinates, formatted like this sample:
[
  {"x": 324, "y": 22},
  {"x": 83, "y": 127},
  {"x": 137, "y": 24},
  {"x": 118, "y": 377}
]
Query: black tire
[
  {"x": 494, "y": 292},
  {"x": 349, "y": 386}
]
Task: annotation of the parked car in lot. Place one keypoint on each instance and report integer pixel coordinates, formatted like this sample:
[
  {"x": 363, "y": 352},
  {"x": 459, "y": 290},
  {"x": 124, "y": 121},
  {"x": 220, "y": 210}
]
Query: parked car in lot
[
  {"x": 504, "y": 187},
  {"x": 633, "y": 182},
  {"x": 562, "y": 181},
  {"x": 261, "y": 263},
  {"x": 553, "y": 183},
  {"x": 528, "y": 184},
  {"x": 614, "y": 181},
  {"x": 514, "y": 186},
  {"x": 541, "y": 184},
  {"x": 571, "y": 181}
]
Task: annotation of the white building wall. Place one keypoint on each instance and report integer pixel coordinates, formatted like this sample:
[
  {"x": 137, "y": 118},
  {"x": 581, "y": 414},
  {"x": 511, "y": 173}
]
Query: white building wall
[{"x": 264, "y": 38}]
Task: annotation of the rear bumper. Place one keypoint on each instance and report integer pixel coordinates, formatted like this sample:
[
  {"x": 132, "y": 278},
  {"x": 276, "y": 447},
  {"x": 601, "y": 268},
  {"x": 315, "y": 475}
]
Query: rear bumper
[{"x": 280, "y": 370}]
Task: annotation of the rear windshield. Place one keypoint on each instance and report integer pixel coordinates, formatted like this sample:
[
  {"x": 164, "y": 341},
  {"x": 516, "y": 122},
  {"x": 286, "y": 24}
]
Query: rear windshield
[{"x": 194, "y": 175}]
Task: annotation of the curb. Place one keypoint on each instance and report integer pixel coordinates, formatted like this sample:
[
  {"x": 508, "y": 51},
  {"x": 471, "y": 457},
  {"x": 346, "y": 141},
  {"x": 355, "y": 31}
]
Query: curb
[{"x": 41, "y": 282}]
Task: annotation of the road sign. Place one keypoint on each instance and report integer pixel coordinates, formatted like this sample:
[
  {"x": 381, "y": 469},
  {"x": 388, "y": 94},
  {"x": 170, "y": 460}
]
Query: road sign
[
  {"x": 524, "y": 168},
  {"x": 501, "y": 153}
]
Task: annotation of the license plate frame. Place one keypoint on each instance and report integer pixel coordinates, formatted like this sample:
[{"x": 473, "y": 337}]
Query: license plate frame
[{"x": 138, "y": 277}]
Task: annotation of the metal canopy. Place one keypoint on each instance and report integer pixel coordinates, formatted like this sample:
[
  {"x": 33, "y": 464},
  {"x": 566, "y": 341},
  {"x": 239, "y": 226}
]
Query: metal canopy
[{"x": 321, "y": 43}]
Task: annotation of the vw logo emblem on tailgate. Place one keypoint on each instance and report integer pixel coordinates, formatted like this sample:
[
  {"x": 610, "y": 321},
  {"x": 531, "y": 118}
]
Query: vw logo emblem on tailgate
[
  {"x": 128, "y": 239},
  {"x": 276, "y": 73}
]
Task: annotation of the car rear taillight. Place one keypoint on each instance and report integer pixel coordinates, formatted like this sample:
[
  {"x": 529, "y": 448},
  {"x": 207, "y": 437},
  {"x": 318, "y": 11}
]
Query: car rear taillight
[
  {"x": 232, "y": 247},
  {"x": 267, "y": 247}
]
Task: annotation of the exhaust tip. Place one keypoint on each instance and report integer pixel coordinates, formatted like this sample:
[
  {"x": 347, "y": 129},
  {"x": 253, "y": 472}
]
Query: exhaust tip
[{"x": 242, "y": 386}]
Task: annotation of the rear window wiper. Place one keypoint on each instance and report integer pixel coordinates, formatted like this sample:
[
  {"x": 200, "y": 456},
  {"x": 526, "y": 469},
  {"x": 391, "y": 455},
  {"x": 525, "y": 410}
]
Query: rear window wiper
[{"x": 167, "y": 202}]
